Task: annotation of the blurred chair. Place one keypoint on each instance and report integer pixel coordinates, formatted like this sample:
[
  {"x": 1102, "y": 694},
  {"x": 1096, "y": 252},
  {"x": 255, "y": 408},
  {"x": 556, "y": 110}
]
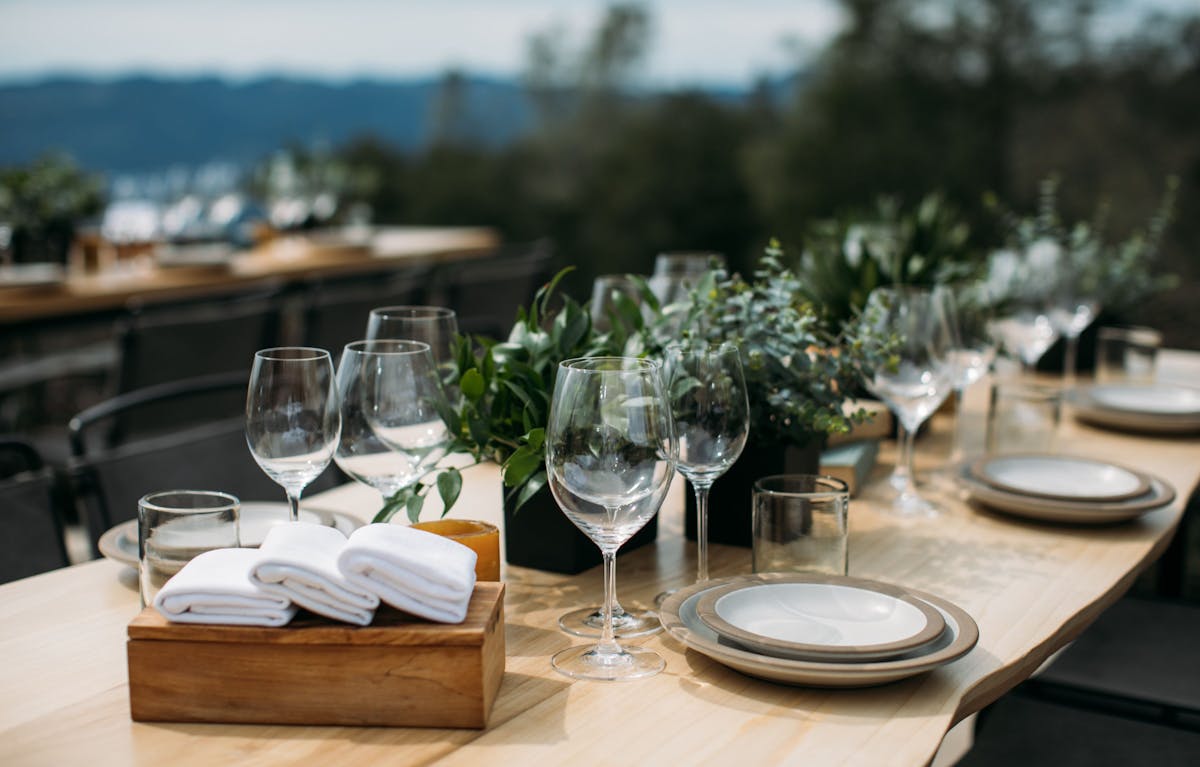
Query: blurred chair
[
  {"x": 31, "y": 534},
  {"x": 161, "y": 344},
  {"x": 208, "y": 456},
  {"x": 486, "y": 293},
  {"x": 336, "y": 311}
]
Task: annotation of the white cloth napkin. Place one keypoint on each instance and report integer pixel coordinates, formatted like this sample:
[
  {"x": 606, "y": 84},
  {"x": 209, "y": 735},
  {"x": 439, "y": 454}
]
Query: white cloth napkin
[
  {"x": 215, "y": 587},
  {"x": 298, "y": 561},
  {"x": 412, "y": 570}
]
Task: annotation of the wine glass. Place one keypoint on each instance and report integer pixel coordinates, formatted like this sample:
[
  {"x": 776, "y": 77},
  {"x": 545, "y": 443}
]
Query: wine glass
[
  {"x": 605, "y": 291},
  {"x": 968, "y": 307},
  {"x": 919, "y": 377},
  {"x": 402, "y": 402},
  {"x": 1074, "y": 306},
  {"x": 361, "y": 453},
  {"x": 609, "y": 441},
  {"x": 707, "y": 391},
  {"x": 1024, "y": 325},
  {"x": 292, "y": 417},
  {"x": 434, "y": 325}
]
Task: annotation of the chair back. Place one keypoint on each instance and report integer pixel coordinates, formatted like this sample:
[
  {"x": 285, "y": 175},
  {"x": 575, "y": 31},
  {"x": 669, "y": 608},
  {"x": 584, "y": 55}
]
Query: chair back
[
  {"x": 337, "y": 310},
  {"x": 31, "y": 534},
  {"x": 486, "y": 293},
  {"x": 209, "y": 456}
]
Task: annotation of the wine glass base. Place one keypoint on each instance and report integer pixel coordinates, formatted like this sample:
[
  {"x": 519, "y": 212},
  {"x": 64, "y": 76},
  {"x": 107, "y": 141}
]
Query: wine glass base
[
  {"x": 588, "y": 622},
  {"x": 585, "y": 662}
]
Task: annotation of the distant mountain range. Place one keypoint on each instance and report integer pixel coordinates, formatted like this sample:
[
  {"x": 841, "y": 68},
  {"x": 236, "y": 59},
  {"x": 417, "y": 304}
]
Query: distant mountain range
[
  {"x": 147, "y": 124},
  {"x": 141, "y": 124}
]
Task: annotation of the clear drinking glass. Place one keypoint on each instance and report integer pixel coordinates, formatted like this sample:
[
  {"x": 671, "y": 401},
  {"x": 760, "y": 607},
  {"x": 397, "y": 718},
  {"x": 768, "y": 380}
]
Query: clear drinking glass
[
  {"x": 1127, "y": 355},
  {"x": 292, "y": 418},
  {"x": 1022, "y": 417},
  {"x": 605, "y": 292},
  {"x": 402, "y": 402},
  {"x": 801, "y": 524},
  {"x": 1073, "y": 307},
  {"x": 920, "y": 380},
  {"x": 176, "y": 525},
  {"x": 675, "y": 273},
  {"x": 609, "y": 441},
  {"x": 968, "y": 308},
  {"x": 361, "y": 453}
]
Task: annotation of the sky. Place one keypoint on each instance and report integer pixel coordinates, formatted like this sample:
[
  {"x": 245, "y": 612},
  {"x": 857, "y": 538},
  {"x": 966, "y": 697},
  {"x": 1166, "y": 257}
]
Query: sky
[
  {"x": 694, "y": 41},
  {"x": 716, "y": 42}
]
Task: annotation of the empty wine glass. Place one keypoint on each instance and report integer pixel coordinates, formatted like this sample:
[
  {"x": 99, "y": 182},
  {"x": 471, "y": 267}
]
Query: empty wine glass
[
  {"x": 610, "y": 442},
  {"x": 292, "y": 418},
  {"x": 433, "y": 325},
  {"x": 402, "y": 402},
  {"x": 1074, "y": 306},
  {"x": 919, "y": 378},
  {"x": 707, "y": 392},
  {"x": 968, "y": 307},
  {"x": 606, "y": 289},
  {"x": 1023, "y": 324},
  {"x": 675, "y": 273},
  {"x": 365, "y": 366}
]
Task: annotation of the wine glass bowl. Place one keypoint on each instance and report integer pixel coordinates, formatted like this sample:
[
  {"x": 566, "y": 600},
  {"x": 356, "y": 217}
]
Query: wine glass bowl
[
  {"x": 405, "y": 456},
  {"x": 293, "y": 420},
  {"x": 610, "y": 443}
]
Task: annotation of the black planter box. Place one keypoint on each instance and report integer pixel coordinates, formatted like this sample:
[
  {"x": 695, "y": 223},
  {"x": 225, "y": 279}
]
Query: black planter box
[
  {"x": 729, "y": 500},
  {"x": 540, "y": 536}
]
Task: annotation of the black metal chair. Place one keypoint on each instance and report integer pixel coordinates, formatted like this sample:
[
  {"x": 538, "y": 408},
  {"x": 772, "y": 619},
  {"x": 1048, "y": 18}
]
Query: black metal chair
[
  {"x": 160, "y": 344},
  {"x": 486, "y": 293},
  {"x": 337, "y": 310},
  {"x": 31, "y": 534},
  {"x": 212, "y": 455}
]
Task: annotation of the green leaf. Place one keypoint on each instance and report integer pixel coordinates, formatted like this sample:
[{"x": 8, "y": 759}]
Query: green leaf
[
  {"x": 536, "y": 439},
  {"x": 521, "y": 464},
  {"x": 449, "y": 485},
  {"x": 472, "y": 385},
  {"x": 414, "y": 506},
  {"x": 532, "y": 486}
]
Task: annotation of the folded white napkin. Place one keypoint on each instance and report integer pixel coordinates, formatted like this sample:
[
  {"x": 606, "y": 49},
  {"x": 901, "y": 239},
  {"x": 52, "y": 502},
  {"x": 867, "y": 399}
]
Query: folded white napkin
[
  {"x": 215, "y": 587},
  {"x": 298, "y": 561},
  {"x": 412, "y": 570}
]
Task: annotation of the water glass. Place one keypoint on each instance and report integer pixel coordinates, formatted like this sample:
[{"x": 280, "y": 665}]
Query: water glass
[
  {"x": 1022, "y": 418},
  {"x": 800, "y": 524},
  {"x": 607, "y": 291},
  {"x": 1127, "y": 355},
  {"x": 176, "y": 525}
]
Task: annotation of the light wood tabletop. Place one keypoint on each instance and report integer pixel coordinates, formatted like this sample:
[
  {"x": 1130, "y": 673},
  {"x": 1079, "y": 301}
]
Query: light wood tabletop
[
  {"x": 1030, "y": 587},
  {"x": 281, "y": 260}
]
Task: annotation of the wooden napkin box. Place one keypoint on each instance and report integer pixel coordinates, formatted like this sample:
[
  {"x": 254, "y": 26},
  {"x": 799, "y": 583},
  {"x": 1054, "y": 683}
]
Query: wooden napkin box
[{"x": 399, "y": 671}]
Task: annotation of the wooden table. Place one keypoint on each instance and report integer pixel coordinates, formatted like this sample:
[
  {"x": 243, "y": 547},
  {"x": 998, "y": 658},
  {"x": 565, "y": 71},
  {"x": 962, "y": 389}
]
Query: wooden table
[
  {"x": 1030, "y": 587},
  {"x": 287, "y": 259}
]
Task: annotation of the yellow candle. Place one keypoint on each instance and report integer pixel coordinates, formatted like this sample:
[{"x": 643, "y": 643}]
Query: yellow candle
[{"x": 481, "y": 537}]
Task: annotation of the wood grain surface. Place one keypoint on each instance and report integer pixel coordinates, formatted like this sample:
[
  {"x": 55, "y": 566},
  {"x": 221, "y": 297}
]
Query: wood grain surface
[{"x": 1031, "y": 588}]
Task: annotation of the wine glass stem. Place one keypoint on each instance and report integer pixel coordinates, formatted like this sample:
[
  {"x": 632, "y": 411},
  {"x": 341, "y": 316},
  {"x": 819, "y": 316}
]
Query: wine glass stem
[
  {"x": 1070, "y": 356},
  {"x": 956, "y": 447},
  {"x": 293, "y": 504},
  {"x": 608, "y": 642},
  {"x": 903, "y": 474},
  {"x": 701, "y": 491}
]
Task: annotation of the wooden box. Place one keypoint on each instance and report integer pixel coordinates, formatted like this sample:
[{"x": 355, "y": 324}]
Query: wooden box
[{"x": 399, "y": 671}]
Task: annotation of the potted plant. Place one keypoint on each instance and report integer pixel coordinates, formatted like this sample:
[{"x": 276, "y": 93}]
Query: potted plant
[
  {"x": 799, "y": 368},
  {"x": 501, "y": 415}
]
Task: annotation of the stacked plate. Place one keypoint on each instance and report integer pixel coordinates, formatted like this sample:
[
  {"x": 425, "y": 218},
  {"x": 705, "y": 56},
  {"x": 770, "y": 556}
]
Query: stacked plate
[
  {"x": 1062, "y": 488},
  {"x": 1154, "y": 408},
  {"x": 120, "y": 543},
  {"x": 816, "y": 630}
]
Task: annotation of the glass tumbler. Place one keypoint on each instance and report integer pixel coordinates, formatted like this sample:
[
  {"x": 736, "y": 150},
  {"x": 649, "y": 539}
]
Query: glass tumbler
[
  {"x": 800, "y": 524},
  {"x": 1127, "y": 355},
  {"x": 176, "y": 525}
]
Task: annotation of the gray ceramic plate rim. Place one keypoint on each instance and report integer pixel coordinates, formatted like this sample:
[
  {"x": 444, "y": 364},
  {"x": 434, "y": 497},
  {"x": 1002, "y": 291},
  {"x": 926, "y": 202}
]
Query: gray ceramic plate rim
[
  {"x": 707, "y": 612},
  {"x": 1088, "y": 410},
  {"x": 1161, "y": 493},
  {"x": 979, "y": 472},
  {"x": 965, "y": 634},
  {"x": 115, "y": 543}
]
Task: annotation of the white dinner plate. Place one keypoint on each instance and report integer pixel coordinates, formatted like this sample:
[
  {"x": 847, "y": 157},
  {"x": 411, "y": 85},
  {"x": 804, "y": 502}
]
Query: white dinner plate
[
  {"x": 679, "y": 617},
  {"x": 1164, "y": 420},
  {"x": 1072, "y": 512},
  {"x": 120, "y": 543},
  {"x": 822, "y": 618},
  {"x": 1158, "y": 399},
  {"x": 1061, "y": 477}
]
